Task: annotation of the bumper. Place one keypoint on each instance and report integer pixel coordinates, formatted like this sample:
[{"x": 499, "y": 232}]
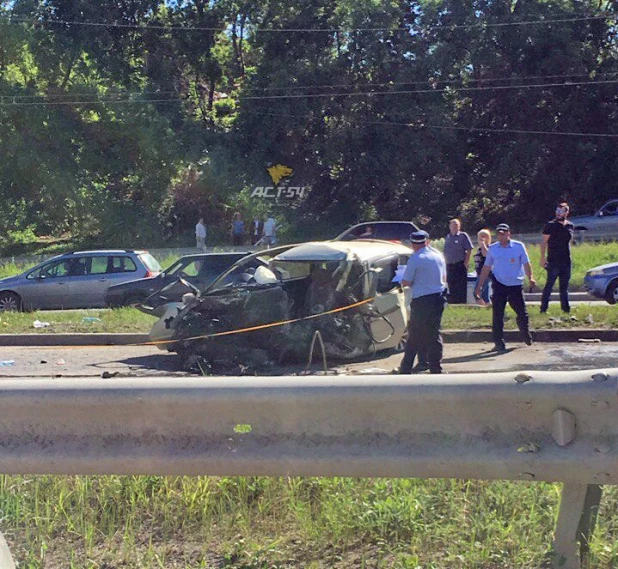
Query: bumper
[{"x": 596, "y": 286}]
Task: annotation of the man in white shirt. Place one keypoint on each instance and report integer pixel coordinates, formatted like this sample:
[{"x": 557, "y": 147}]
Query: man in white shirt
[
  {"x": 200, "y": 235},
  {"x": 270, "y": 231}
]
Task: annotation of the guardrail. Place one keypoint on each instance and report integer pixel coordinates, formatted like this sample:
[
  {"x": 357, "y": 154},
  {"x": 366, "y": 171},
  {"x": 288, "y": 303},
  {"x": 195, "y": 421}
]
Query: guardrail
[{"x": 537, "y": 426}]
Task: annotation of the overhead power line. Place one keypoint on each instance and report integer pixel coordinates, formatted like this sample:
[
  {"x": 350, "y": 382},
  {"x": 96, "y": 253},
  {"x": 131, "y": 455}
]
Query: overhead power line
[
  {"x": 16, "y": 100},
  {"x": 410, "y": 92},
  {"x": 542, "y": 22},
  {"x": 459, "y": 128},
  {"x": 87, "y": 102},
  {"x": 434, "y": 79},
  {"x": 108, "y": 94}
]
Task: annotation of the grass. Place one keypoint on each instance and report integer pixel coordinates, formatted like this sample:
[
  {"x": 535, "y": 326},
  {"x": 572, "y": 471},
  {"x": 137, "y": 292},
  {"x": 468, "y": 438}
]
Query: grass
[
  {"x": 127, "y": 320},
  {"x": 131, "y": 320},
  {"x": 153, "y": 522}
]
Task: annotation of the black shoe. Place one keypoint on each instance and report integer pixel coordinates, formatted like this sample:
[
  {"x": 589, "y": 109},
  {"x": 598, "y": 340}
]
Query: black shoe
[
  {"x": 543, "y": 311},
  {"x": 420, "y": 367},
  {"x": 528, "y": 339},
  {"x": 498, "y": 348},
  {"x": 436, "y": 370}
]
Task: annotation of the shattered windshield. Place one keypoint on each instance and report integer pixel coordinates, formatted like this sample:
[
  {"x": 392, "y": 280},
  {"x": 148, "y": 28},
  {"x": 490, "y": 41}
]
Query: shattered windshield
[{"x": 241, "y": 272}]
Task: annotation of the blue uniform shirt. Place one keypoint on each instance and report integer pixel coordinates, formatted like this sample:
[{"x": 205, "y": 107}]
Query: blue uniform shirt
[
  {"x": 426, "y": 270},
  {"x": 507, "y": 263}
]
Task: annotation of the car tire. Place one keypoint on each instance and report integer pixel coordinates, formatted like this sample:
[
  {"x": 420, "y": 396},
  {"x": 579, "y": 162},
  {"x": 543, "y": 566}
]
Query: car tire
[
  {"x": 611, "y": 294},
  {"x": 10, "y": 302},
  {"x": 133, "y": 299}
]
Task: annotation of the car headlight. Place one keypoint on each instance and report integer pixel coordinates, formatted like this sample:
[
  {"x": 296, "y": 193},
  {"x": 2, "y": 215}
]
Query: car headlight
[{"x": 596, "y": 273}]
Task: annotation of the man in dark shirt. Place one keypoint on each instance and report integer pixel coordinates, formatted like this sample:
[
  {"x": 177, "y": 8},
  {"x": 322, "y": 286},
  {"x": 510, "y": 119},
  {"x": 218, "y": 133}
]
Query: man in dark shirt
[{"x": 557, "y": 236}]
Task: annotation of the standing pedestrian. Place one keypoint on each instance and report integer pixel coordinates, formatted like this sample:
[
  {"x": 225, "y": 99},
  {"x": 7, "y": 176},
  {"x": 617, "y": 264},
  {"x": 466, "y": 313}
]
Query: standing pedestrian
[
  {"x": 238, "y": 230},
  {"x": 457, "y": 251},
  {"x": 425, "y": 273},
  {"x": 270, "y": 230},
  {"x": 509, "y": 261},
  {"x": 257, "y": 230},
  {"x": 557, "y": 236},
  {"x": 484, "y": 241},
  {"x": 200, "y": 235}
]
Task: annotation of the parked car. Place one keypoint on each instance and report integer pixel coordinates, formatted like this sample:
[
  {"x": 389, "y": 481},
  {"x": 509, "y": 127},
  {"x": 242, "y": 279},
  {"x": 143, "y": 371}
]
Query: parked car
[
  {"x": 605, "y": 219},
  {"x": 287, "y": 283},
  {"x": 602, "y": 282},
  {"x": 199, "y": 270},
  {"x": 74, "y": 280},
  {"x": 397, "y": 231}
]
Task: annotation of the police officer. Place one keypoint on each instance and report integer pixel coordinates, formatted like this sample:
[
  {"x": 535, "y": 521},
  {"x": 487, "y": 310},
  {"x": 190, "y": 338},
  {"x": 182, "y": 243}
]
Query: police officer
[
  {"x": 426, "y": 274},
  {"x": 508, "y": 259}
]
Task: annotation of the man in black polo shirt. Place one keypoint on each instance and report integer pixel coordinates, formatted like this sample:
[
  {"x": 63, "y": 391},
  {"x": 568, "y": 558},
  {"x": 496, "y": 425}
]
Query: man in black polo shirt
[{"x": 557, "y": 236}]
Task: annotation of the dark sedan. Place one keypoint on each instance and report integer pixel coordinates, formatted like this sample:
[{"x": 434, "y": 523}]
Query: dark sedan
[{"x": 199, "y": 270}]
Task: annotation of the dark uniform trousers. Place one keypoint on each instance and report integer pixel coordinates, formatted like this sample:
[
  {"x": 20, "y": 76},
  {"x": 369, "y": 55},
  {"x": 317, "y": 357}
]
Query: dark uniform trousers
[
  {"x": 514, "y": 295},
  {"x": 457, "y": 280},
  {"x": 424, "y": 338}
]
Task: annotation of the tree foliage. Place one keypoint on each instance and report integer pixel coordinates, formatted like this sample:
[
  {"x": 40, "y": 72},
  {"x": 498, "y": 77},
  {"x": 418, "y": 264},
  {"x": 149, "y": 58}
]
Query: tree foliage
[{"x": 122, "y": 121}]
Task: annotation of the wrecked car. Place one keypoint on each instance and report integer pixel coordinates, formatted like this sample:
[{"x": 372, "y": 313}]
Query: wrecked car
[{"x": 268, "y": 306}]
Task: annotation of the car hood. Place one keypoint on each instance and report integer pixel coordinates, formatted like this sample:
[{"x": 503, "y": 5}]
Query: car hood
[{"x": 606, "y": 267}]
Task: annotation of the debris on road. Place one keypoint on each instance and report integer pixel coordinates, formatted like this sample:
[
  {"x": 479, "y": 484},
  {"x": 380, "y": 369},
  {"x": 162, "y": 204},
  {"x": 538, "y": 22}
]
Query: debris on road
[{"x": 39, "y": 324}]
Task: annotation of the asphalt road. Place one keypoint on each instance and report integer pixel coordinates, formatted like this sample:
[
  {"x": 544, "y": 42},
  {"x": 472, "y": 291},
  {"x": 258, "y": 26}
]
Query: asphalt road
[{"x": 136, "y": 361}]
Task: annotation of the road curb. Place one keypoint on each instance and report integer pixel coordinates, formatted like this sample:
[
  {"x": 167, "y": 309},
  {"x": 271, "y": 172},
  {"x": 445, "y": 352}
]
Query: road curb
[
  {"x": 543, "y": 335},
  {"x": 72, "y": 339},
  {"x": 449, "y": 336}
]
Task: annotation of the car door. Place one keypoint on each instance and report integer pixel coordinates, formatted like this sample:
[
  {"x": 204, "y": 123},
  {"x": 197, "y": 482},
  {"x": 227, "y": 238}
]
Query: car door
[
  {"x": 48, "y": 286},
  {"x": 389, "y": 323},
  {"x": 89, "y": 282}
]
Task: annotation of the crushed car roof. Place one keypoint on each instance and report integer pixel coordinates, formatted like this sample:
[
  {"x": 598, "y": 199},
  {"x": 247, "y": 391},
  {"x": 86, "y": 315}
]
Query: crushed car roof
[{"x": 339, "y": 250}]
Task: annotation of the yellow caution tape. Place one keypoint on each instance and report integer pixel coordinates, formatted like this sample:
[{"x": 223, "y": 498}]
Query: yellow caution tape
[{"x": 260, "y": 327}]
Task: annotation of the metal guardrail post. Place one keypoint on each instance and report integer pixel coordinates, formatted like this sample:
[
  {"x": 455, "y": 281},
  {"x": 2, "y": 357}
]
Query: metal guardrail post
[
  {"x": 6, "y": 560},
  {"x": 579, "y": 507}
]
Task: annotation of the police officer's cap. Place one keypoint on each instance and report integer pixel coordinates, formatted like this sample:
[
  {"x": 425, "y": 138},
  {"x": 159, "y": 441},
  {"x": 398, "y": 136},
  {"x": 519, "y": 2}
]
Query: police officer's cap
[
  {"x": 419, "y": 237},
  {"x": 502, "y": 228}
]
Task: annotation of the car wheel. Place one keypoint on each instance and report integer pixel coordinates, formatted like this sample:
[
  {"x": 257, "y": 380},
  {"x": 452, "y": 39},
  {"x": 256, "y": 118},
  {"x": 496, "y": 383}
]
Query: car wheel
[
  {"x": 10, "y": 302},
  {"x": 133, "y": 299},
  {"x": 611, "y": 295}
]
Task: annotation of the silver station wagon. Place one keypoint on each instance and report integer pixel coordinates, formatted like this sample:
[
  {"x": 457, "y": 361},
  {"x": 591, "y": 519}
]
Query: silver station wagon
[{"x": 74, "y": 280}]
